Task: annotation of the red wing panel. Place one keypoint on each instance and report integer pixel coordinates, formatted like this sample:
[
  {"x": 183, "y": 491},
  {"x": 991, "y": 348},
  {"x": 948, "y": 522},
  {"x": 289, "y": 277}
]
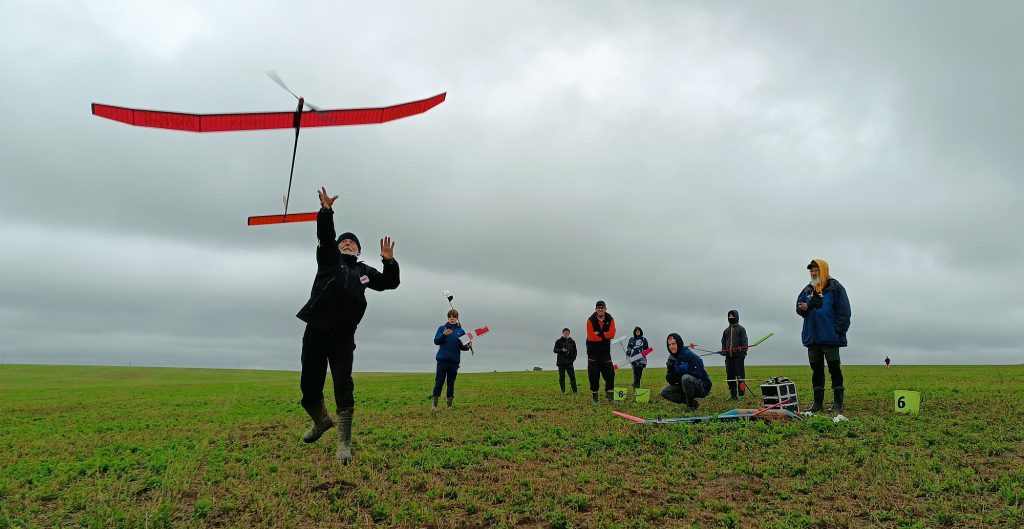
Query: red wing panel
[
  {"x": 263, "y": 120},
  {"x": 253, "y": 121},
  {"x": 282, "y": 219},
  {"x": 369, "y": 116}
]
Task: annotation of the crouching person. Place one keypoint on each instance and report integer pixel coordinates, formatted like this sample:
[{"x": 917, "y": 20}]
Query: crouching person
[{"x": 686, "y": 377}]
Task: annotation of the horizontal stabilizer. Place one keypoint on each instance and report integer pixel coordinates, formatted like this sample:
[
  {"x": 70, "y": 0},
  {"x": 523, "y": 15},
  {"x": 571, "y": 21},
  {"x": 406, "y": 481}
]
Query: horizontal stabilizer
[{"x": 281, "y": 219}]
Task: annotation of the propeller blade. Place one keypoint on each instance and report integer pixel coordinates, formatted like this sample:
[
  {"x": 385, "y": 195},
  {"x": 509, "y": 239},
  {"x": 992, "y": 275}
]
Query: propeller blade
[
  {"x": 277, "y": 79},
  {"x": 315, "y": 108}
]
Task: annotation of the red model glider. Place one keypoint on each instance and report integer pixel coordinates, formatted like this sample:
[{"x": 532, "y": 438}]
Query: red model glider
[{"x": 296, "y": 119}]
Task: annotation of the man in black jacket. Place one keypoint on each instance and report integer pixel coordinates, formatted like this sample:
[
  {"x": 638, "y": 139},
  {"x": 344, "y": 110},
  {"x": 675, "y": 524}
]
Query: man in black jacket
[
  {"x": 565, "y": 351},
  {"x": 334, "y": 310},
  {"x": 734, "y": 348}
]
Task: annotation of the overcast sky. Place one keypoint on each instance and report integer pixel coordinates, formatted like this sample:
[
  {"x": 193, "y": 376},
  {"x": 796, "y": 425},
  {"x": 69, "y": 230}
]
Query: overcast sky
[{"x": 674, "y": 159}]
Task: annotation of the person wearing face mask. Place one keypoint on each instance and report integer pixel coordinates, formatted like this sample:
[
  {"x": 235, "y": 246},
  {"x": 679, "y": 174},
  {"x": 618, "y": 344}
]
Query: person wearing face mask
[
  {"x": 685, "y": 374},
  {"x": 734, "y": 348},
  {"x": 336, "y": 305},
  {"x": 825, "y": 309}
]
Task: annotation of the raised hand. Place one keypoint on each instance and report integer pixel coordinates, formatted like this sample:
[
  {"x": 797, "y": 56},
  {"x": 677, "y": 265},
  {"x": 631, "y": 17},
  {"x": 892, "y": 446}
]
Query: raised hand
[
  {"x": 326, "y": 201},
  {"x": 387, "y": 248}
]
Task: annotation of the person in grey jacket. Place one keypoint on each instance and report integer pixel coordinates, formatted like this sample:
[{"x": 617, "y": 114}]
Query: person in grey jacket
[
  {"x": 734, "y": 348},
  {"x": 565, "y": 355}
]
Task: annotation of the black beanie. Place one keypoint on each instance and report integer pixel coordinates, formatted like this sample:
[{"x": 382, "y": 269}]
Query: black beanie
[{"x": 352, "y": 236}]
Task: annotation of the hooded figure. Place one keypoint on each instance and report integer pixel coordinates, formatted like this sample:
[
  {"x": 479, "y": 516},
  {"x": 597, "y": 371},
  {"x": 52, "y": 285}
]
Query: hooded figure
[
  {"x": 734, "y": 348},
  {"x": 825, "y": 309},
  {"x": 687, "y": 379},
  {"x": 637, "y": 345}
]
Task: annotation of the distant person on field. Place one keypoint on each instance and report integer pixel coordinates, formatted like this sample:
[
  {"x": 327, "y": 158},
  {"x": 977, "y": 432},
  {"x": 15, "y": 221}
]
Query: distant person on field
[
  {"x": 887, "y": 361},
  {"x": 734, "y": 348},
  {"x": 449, "y": 355},
  {"x": 685, "y": 374},
  {"x": 334, "y": 310},
  {"x": 637, "y": 345},
  {"x": 825, "y": 308},
  {"x": 600, "y": 332},
  {"x": 565, "y": 355}
]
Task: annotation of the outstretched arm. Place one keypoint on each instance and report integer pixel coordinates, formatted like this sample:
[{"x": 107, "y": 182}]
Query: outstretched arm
[
  {"x": 327, "y": 248},
  {"x": 389, "y": 280}
]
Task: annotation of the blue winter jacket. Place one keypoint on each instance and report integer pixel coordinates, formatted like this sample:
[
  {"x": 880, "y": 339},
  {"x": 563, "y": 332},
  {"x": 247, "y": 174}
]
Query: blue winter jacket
[
  {"x": 637, "y": 345},
  {"x": 687, "y": 363},
  {"x": 827, "y": 324},
  {"x": 449, "y": 347}
]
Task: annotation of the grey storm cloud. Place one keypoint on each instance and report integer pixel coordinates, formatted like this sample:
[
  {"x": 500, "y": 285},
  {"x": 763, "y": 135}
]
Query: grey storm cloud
[{"x": 675, "y": 159}]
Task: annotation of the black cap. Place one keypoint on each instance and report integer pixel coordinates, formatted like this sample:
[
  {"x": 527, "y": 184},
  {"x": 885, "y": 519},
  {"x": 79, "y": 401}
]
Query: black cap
[
  {"x": 352, "y": 236},
  {"x": 814, "y": 264},
  {"x": 600, "y": 304}
]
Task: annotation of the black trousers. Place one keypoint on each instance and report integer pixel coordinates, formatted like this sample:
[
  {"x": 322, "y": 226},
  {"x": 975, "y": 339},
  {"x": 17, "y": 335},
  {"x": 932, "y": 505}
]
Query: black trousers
[
  {"x": 445, "y": 371},
  {"x": 733, "y": 370},
  {"x": 818, "y": 355},
  {"x": 598, "y": 369},
  {"x": 689, "y": 387},
  {"x": 562, "y": 370},
  {"x": 320, "y": 349},
  {"x": 638, "y": 373}
]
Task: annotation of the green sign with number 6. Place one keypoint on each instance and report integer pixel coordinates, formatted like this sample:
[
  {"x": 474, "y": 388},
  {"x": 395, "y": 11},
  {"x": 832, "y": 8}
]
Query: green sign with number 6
[{"x": 907, "y": 401}]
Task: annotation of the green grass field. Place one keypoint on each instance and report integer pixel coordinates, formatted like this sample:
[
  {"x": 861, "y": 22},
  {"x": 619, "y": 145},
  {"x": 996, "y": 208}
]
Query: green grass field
[{"x": 146, "y": 447}]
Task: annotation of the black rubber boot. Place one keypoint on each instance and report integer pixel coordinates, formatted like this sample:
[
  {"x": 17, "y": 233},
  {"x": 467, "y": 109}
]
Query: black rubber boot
[
  {"x": 692, "y": 404},
  {"x": 819, "y": 400},
  {"x": 345, "y": 435},
  {"x": 837, "y": 400},
  {"x": 321, "y": 422},
  {"x": 450, "y": 400},
  {"x": 610, "y": 395},
  {"x": 593, "y": 397},
  {"x": 433, "y": 407}
]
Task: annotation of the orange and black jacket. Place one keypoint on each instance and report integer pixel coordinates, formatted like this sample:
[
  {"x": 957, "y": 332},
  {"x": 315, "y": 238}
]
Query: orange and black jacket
[{"x": 599, "y": 337}]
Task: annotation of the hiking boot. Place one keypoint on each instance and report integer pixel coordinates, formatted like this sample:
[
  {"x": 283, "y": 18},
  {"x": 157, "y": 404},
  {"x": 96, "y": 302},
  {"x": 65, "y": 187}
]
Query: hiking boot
[
  {"x": 837, "y": 400},
  {"x": 819, "y": 399},
  {"x": 321, "y": 422},
  {"x": 345, "y": 435}
]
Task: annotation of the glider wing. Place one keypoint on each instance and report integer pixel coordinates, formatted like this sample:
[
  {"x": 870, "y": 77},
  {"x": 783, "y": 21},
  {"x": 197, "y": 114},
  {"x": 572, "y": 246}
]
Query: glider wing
[{"x": 263, "y": 120}]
